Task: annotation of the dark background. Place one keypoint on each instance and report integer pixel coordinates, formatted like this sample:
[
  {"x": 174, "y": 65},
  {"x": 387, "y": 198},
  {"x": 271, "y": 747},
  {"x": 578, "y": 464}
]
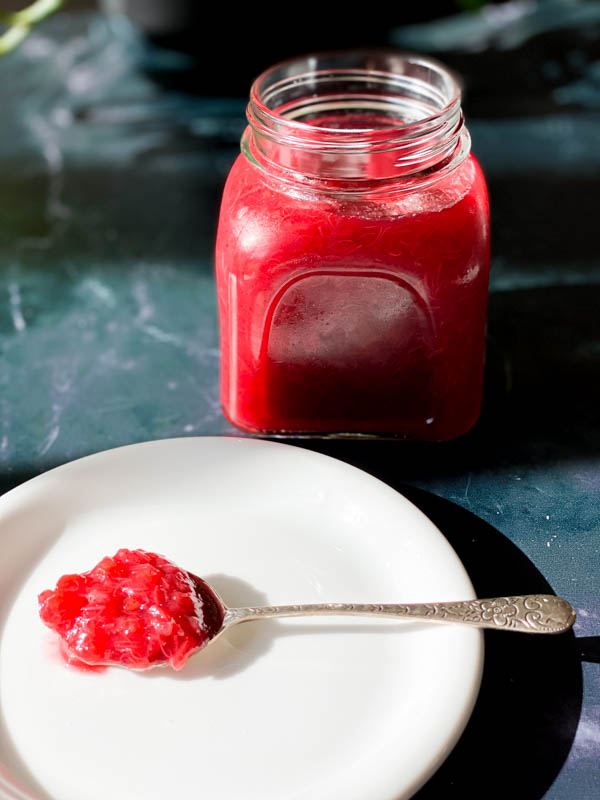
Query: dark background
[
  {"x": 228, "y": 46},
  {"x": 512, "y": 54}
]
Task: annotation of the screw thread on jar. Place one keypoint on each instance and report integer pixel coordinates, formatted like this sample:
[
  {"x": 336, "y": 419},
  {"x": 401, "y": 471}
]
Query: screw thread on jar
[{"x": 357, "y": 121}]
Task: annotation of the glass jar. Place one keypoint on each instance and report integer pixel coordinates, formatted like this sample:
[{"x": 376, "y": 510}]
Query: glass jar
[{"x": 352, "y": 254}]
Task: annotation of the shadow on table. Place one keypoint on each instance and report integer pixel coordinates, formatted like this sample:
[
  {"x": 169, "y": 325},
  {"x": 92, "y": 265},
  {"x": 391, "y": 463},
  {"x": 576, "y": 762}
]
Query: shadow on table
[
  {"x": 540, "y": 401},
  {"x": 589, "y": 648},
  {"x": 528, "y": 709}
]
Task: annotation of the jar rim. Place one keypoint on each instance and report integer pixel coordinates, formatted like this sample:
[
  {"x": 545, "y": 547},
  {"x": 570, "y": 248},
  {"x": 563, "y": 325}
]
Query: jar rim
[
  {"x": 359, "y": 117},
  {"x": 259, "y": 109}
]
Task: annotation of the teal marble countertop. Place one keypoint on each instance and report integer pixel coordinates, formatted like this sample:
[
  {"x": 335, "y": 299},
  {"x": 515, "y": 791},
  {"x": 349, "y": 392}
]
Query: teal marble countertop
[{"x": 109, "y": 193}]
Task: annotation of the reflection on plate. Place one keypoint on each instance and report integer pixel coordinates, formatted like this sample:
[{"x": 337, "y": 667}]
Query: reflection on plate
[{"x": 301, "y": 709}]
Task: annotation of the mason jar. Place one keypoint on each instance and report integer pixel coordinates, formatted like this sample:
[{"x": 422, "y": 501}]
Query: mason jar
[{"x": 352, "y": 255}]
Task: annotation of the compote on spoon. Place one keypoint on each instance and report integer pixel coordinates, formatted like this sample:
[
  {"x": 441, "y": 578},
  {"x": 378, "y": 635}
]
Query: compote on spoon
[{"x": 139, "y": 610}]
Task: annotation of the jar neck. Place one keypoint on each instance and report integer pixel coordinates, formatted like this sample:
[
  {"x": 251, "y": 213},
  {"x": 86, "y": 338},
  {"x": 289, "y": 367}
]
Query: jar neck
[{"x": 357, "y": 122}]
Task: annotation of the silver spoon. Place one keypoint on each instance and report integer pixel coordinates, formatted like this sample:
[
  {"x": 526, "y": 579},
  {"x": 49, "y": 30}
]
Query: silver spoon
[{"x": 530, "y": 613}]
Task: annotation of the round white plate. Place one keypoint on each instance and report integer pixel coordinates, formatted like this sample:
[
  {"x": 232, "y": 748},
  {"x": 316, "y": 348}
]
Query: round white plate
[{"x": 295, "y": 709}]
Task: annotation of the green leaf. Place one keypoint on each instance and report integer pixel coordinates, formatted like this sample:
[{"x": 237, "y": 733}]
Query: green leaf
[
  {"x": 19, "y": 22},
  {"x": 13, "y": 37}
]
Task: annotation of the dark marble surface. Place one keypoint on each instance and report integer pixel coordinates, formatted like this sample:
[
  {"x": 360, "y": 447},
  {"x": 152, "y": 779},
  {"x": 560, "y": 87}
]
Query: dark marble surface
[{"x": 109, "y": 192}]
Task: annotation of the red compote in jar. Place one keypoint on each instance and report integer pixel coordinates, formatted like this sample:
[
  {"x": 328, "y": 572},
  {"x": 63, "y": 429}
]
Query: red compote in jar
[{"x": 353, "y": 253}]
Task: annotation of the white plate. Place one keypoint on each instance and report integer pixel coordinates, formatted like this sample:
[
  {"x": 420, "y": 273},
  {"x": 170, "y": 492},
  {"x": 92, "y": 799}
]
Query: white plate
[{"x": 296, "y": 709}]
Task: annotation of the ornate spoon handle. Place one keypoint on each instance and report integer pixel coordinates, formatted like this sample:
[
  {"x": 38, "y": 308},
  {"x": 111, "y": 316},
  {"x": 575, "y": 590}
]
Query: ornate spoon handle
[{"x": 530, "y": 613}]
